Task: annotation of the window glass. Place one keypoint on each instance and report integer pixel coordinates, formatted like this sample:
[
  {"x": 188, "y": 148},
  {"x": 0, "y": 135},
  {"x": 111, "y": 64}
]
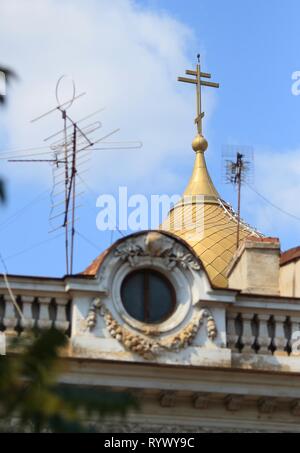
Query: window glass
[{"x": 148, "y": 296}]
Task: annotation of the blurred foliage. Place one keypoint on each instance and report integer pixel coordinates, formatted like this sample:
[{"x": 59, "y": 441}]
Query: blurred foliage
[
  {"x": 9, "y": 75},
  {"x": 30, "y": 393},
  {"x": 2, "y": 191}
]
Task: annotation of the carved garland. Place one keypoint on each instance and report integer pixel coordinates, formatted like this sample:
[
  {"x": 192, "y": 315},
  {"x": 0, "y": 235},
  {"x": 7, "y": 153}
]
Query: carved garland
[
  {"x": 147, "y": 347},
  {"x": 91, "y": 319}
]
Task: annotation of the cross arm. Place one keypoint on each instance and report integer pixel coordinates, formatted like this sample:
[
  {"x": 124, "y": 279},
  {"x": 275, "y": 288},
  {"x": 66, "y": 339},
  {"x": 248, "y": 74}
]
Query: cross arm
[
  {"x": 202, "y": 82},
  {"x": 202, "y": 74}
]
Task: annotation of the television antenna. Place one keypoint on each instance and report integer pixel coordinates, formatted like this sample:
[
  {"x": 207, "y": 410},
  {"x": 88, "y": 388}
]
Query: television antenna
[
  {"x": 238, "y": 169},
  {"x": 69, "y": 154}
]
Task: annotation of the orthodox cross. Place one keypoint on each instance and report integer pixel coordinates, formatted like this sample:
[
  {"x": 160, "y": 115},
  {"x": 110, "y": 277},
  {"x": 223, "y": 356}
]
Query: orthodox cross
[{"x": 198, "y": 82}]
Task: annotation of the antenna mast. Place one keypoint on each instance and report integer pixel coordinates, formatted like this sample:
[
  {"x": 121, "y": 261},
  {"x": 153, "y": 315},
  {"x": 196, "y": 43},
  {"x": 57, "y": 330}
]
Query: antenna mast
[
  {"x": 239, "y": 165},
  {"x": 65, "y": 151},
  {"x": 237, "y": 171}
]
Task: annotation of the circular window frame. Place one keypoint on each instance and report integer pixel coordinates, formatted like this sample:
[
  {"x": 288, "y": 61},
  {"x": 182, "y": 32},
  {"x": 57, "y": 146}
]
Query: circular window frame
[
  {"x": 178, "y": 279},
  {"x": 168, "y": 284}
]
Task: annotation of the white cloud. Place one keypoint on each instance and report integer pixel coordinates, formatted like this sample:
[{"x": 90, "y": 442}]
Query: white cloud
[
  {"x": 277, "y": 178},
  {"x": 127, "y": 58}
]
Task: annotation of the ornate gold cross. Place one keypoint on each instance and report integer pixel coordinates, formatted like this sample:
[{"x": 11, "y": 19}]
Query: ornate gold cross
[{"x": 198, "y": 82}]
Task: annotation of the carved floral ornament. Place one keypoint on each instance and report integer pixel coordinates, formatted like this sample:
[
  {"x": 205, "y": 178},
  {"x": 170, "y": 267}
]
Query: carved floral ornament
[
  {"x": 148, "y": 345},
  {"x": 159, "y": 246}
]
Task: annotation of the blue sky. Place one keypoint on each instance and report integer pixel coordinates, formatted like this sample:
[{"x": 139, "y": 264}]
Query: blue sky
[{"x": 128, "y": 56}]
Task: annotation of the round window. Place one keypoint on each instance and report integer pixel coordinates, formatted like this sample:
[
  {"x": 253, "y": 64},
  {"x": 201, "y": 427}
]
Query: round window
[{"x": 148, "y": 296}]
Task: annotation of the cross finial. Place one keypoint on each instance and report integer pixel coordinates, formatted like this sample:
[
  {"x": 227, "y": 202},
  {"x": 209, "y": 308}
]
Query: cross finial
[{"x": 198, "y": 82}]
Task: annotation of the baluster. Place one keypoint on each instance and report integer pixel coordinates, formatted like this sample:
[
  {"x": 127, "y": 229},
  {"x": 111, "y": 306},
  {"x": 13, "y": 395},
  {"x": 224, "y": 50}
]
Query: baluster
[
  {"x": 27, "y": 322},
  {"x": 10, "y": 320},
  {"x": 264, "y": 339},
  {"x": 44, "y": 321},
  {"x": 247, "y": 335},
  {"x": 61, "y": 322},
  {"x": 280, "y": 341},
  {"x": 2, "y": 310},
  {"x": 295, "y": 335},
  {"x": 232, "y": 336}
]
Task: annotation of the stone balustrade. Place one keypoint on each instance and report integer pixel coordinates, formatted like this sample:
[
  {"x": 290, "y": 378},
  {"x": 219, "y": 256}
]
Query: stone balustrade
[
  {"x": 37, "y": 312},
  {"x": 248, "y": 330},
  {"x": 262, "y": 333}
]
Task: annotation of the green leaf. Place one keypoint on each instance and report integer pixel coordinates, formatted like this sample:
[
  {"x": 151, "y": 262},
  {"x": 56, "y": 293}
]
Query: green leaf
[{"x": 29, "y": 388}]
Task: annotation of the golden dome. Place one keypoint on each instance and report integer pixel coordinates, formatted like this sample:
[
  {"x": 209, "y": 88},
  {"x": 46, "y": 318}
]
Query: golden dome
[{"x": 206, "y": 222}]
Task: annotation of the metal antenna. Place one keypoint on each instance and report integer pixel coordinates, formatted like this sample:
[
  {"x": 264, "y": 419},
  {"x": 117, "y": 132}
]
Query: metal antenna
[
  {"x": 238, "y": 169},
  {"x": 70, "y": 155}
]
